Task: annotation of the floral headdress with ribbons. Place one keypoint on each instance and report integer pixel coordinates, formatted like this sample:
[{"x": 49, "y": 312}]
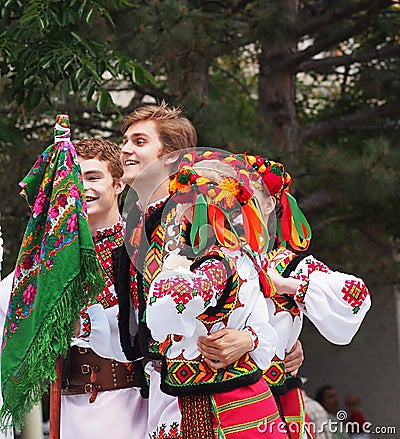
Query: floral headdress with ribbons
[
  {"x": 292, "y": 226},
  {"x": 215, "y": 203}
]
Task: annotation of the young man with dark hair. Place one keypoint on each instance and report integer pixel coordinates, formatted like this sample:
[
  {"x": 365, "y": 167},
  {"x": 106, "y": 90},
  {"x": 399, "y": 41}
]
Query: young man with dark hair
[
  {"x": 101, "y": 395},
  {"x": 153, "y": 138}
]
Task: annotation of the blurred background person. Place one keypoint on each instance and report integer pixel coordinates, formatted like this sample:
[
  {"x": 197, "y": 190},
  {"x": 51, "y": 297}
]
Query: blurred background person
[
  {"x": 356, "y": 420},
  {"x": 328, "y": 397},
  {"x": 319, "y": 418}
]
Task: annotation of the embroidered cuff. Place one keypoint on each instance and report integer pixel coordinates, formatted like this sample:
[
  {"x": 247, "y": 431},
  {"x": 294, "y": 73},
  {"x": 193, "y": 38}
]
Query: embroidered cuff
[
  {"x": 254, "y": 337},
  {"x": 267, "y": 285},
  {"x": 302, "y": 289}
]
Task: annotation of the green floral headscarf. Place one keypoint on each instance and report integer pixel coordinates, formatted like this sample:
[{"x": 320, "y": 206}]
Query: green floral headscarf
[{"x": 56, "y": 273}]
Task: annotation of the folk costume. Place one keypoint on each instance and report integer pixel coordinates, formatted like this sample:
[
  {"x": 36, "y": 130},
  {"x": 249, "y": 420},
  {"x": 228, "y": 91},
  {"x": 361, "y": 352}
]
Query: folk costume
[
  {"x": 164, "y": 418},
  {"x": 102, "y": 396},
  {"x": 336, "y": 303},
  {"x": 56, "y": 258},
  {"x": 219, "y": 288}
]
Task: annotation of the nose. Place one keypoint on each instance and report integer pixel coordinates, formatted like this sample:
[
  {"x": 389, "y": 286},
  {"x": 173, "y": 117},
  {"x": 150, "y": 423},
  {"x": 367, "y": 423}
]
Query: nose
[
  {"x": 85, "y": 184},
  {"x": 127, "y": 148}
]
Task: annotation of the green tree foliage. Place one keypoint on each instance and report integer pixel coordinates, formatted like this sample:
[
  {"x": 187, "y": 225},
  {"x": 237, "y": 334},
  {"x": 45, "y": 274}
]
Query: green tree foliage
[
  {"x": 314, "y": 83},
  {"x": 54, "y": 56},
  {"x": 44, "y": 46}
]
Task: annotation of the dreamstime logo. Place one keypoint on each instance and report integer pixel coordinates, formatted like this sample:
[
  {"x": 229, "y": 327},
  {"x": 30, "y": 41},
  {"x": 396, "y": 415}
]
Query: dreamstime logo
[
  {"x": 341, "y": 415},
  {"x": 338, "y": 426}
]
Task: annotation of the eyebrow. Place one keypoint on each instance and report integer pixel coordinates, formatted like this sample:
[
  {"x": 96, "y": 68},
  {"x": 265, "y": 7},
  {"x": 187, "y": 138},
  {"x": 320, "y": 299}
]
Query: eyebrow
[
  {"x": 139, "y": 134},
  {"x": 94, "y": 172}
]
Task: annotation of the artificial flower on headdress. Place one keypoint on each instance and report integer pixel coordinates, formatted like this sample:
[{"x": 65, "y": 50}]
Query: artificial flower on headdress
[
  {"x": 293, "y": 226},
  {"x": 273, "y": 174},
  {"x": 214, "y": 203}
]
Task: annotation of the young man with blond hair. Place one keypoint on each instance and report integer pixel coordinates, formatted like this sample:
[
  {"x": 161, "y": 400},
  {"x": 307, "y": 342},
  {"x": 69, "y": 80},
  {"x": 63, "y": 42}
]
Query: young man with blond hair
[{"x": 155, "y": 137}]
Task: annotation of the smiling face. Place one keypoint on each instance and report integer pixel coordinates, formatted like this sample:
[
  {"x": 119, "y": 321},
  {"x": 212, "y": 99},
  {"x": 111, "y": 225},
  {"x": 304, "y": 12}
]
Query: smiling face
[
  {"x": 142, "y": 147},
  {"x": 101, "y": 193}
]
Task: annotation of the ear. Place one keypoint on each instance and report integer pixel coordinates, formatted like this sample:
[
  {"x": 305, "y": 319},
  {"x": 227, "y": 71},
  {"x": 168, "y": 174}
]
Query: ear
[
  {"x": 270, "y": 205},
  {"x": 119, "y": 186},
  {"x": 173, "y": 158}
]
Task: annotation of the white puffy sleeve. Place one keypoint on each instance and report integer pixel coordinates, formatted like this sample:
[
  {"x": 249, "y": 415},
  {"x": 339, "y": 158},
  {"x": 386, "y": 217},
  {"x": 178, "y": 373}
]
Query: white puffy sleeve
[
  {"x": 265, "y": 338},
  {"x": 5, "y": 293},
  {"x": 335, "y": 302},
  {"x": 176, "y": 297}
]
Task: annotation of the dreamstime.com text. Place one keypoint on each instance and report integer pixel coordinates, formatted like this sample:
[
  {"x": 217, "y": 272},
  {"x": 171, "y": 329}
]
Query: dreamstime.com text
[{"x": 333, "y": 426}]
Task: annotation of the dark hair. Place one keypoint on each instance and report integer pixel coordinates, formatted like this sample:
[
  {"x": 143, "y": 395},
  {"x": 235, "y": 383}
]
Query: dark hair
[{"x": 319, "y": 396}]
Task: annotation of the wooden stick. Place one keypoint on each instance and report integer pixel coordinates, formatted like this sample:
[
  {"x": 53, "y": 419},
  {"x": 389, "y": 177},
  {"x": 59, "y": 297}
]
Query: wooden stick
[{"x": 55, "y": 402}]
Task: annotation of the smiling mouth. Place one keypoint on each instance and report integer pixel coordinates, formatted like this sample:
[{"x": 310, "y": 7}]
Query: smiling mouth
[
  {"x": 90, "y": 199},
  {"x": 131, "y": 162}
]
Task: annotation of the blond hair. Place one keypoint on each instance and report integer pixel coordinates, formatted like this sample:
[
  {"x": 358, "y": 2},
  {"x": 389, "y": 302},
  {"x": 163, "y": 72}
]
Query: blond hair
[
  {"x": 214, "y": 170},
  {"x": 176, "y": 132}
]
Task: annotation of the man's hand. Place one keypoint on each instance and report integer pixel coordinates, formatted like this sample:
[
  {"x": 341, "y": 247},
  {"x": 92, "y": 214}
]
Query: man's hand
[
  {"x": 294, "y": 359},
  {"x": 224, "y": 347}
]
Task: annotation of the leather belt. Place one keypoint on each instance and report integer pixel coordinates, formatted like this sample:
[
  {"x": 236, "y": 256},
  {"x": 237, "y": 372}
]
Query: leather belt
[{"x": 90, "y": 373}]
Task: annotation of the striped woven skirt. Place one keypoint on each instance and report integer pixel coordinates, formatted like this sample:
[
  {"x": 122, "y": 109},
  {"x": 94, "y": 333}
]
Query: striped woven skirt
[
  {"x": 291, "y": 406},
  {"x": 244, "y": 413}
]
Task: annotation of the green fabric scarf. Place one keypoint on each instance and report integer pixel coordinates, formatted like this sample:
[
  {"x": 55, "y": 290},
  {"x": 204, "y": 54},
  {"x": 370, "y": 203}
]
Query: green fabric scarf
[{"x": 56, "y": 274}]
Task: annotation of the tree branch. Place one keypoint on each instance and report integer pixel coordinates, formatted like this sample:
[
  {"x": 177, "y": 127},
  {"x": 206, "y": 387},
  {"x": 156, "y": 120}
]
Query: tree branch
[
  {"x": 333, "y": 38},
  {"x": 350, "y": 122},
  {"x": 228, "y": 73},
  {"x": 146, "y": 89},
  {"x": 240, "y": 5},
  {"x": 306, "y": 26},
  {"x": 326, "y": 65},
  {"x": 337, "y": 218},
  {"x": 318, "y": 200}
]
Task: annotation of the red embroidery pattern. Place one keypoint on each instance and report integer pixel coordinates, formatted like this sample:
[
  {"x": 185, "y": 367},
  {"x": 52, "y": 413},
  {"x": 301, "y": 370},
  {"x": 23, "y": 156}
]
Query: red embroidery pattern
[
  {"x": 302, "y": 289},
  {"x": 183, "y": 290},
  {"x": 154, "y": 206},
  {"x": 204, "y": 288},
  {"x": 354, "y": 293},
  {"x": 314, "y": 265},
  {"x": 106, "y": 241},
  {"x": 107, "y": 299},
  {"x": 182, "y": 293},
  {"x": 133, "y": 285},
  {"x": 216, "y": 279},
  {"x": 164, "y": 432},
  {"x": 280, "y": 259},
  {"x": 254, "y": 336}
]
